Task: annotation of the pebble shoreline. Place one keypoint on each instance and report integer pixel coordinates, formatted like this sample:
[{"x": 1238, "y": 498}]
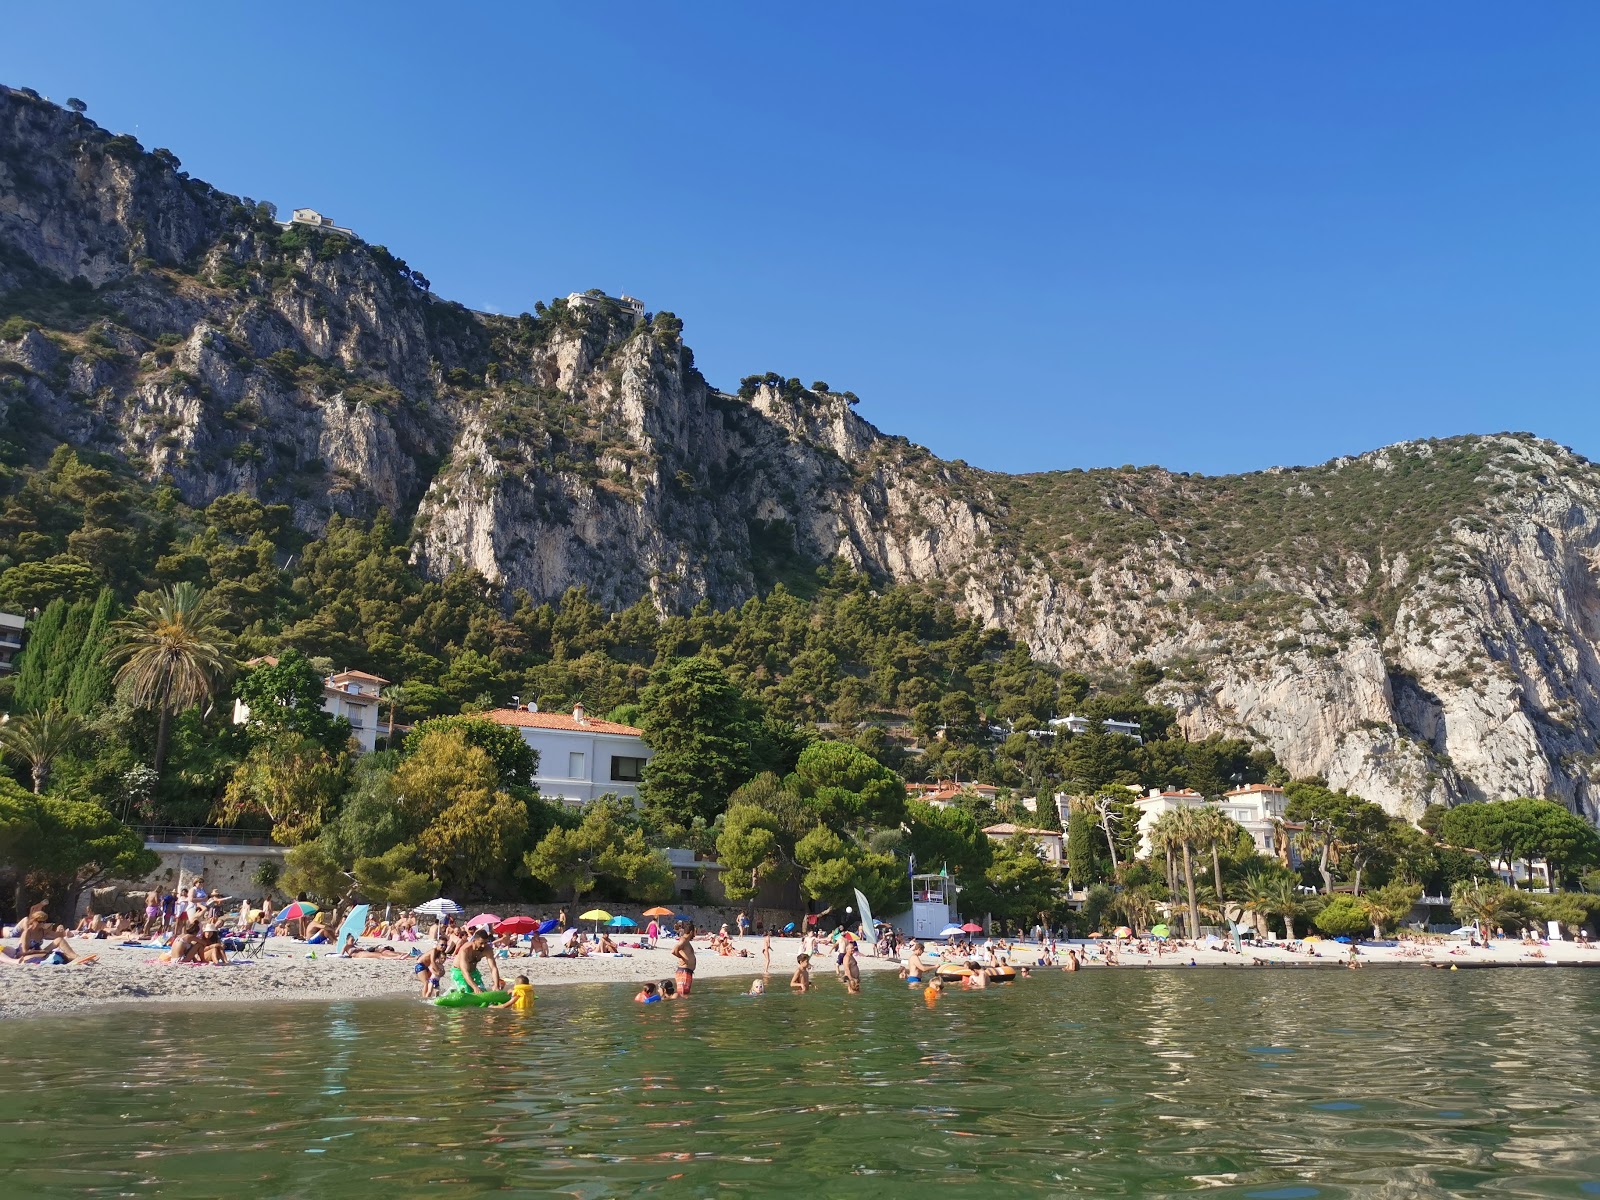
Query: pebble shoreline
[{"x": 286, "y": 973}]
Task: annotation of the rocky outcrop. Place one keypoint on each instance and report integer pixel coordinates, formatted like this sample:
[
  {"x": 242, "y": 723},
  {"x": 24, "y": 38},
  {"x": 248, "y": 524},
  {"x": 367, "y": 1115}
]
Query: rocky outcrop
[{"x": 1418, "y": 624}]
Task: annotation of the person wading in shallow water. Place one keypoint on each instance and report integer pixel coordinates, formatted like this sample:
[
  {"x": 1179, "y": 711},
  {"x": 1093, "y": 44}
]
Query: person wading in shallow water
[{"x": 684, "y": 953}]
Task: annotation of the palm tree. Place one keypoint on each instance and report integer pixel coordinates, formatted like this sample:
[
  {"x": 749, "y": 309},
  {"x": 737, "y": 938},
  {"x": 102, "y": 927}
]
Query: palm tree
[
  {"x": 174, "y": 655},
  {"x": 395, "y": 694},
  {"x": 1273, "y": 896},
  {"x": 39, "y": 738},
  {"x": 1181, "y": 829}
]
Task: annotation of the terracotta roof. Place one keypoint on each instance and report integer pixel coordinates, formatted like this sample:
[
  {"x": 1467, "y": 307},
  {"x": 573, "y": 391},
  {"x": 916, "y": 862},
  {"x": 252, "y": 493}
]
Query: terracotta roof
[
  {"x": 359, "y": 675},
  {"x": 1252, "y": 788},
  {"x": 523, "y": 719}
]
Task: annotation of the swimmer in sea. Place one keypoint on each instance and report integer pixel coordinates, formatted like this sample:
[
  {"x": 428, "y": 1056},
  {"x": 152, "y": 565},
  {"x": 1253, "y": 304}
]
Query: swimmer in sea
[
  {"x": 800, "y": 981},
  {"x": 915, "y": 967},
  {"x": 684, "y": 953},
  {"x": 648, "y": 994}
]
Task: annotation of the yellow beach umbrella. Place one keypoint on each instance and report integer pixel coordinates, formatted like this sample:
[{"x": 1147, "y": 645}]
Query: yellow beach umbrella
[{"x": 595, "y": 914}]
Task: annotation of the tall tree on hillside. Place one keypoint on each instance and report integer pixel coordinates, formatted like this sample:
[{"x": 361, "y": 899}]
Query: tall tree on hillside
[
  {"x": 174, "y": 655},
  {"x": 89, "y": 683},
  {"x": 701, "y": 731},
  {"x": 39, "y": 738}
]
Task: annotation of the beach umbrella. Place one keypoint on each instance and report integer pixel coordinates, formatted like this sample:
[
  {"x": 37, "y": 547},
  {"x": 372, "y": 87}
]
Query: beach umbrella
[
  {"x": 1122, "y": 931},
  {"x": 950, "y": 931},
  {"x": 355, "y": 923},
  {"x": 658, "y": 911},
  {"x": 483, "y": 918},
  {"x": 970, "y": 927},
  {"x": 548, "y": 926},
  {"x": 297, "y": 910},
  {"x": 1097, "y": 934},
  {"x": 1342, "y": 940},
  {"x": 596, "y": 915},
  {"x": 516, "y": 925},
  {"x": 1160, "y": 931},
  {"x": 1314, "y": 938},
  {"x": 439, "y": 907},
  {"x": 623, "y": 923}
]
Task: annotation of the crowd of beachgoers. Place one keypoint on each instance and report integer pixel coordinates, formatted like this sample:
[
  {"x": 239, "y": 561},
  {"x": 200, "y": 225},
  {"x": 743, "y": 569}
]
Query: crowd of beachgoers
[{"x": 191, "y": 945}]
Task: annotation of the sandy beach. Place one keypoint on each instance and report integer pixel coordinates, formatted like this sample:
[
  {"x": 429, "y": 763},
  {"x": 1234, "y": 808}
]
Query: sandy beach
[{"x": 285, "y": 971}]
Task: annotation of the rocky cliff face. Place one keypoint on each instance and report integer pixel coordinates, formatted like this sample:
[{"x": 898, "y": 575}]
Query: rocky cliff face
[{"x": 1418, "y": 624}]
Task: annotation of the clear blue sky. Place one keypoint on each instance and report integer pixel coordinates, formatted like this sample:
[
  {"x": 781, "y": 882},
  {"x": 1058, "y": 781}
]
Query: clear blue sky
[{"x": 1212, "y": 236}]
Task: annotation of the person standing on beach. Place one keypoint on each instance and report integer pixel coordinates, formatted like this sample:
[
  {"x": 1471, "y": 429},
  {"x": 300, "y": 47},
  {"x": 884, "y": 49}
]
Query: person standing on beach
[
  {"x": 743, "y": 922},
  {"x": 684, "y": 953},
  {"x": 766, "y": 953}
]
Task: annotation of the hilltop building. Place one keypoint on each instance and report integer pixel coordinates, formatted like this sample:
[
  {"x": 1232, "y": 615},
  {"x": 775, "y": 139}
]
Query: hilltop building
[
  {"x": 598, "y": 299},
  {"x": 1073, "y": 723},
  {"x": 311, "y": 217}
]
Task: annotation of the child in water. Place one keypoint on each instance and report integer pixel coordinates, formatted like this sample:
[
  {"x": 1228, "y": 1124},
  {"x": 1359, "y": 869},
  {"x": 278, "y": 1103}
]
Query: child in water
[
  {"x": 521, "y": 996},
  {"x": 648, "y": 994},
  {"x": 800, "y": 981},
  {"x": 758, "y": 987},
  {"x": 934, "y": 990}
]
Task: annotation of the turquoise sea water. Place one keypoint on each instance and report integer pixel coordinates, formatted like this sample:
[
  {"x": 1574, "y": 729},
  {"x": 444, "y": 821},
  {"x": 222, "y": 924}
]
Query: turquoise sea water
[{"x": 1274, "y": 1085}]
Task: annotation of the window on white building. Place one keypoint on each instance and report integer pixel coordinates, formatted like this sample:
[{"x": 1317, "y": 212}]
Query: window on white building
[
  {"x": 575, "y": 765},
  {"x": 626, "y": 770}
]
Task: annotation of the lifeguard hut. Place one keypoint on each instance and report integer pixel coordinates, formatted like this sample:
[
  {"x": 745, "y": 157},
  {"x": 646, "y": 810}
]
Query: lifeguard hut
[{"x": 933, "y": 905}]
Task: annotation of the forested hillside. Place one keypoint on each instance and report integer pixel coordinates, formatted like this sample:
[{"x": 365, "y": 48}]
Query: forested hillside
[{"x": 289, "y": 417}]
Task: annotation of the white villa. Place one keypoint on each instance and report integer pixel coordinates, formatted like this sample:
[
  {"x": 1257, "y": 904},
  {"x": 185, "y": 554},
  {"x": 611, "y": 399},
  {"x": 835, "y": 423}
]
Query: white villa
[
  {"x": 581, "y": 758},
  {"x": 1073, "y": 723},
  {"x": 1258, "y": 808},
  {"x": 310, "y": 216},
  {"x": 1052, "y": 844},
  {"x": 589, "y": 300},
  {"x": 353, "y": 695}
]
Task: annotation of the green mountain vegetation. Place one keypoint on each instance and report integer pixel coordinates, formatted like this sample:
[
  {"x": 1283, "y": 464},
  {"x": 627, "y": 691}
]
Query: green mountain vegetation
[{"x": 222, "y": 439}]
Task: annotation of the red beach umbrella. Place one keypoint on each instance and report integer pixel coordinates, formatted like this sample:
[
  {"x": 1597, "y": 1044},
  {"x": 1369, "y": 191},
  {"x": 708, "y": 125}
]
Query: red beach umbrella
[
  {"x": 969, "y": 927},
  {"x": 517, "y": 925},
  {"x": 298, "y": 910}
]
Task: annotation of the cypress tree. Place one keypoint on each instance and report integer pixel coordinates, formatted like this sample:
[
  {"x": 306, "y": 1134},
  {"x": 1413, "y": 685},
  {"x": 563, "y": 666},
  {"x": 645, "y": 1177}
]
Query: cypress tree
[
  {"x": 90, "y": 684},
  {"x": 1082, "y": 865},
  {"x": 64, "y": 656},
  {"x": 33, "y": 664}
]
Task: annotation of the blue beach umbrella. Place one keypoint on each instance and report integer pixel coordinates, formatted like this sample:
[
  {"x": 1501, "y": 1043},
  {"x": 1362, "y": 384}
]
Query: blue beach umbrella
[
  {"x": 951, "y": 931},
  {"x": 623, "y": 923},
  {"x": 548, "y": 926}
]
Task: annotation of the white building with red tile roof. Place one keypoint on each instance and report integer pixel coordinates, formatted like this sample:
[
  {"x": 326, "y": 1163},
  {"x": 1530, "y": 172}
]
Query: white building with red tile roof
[
  {"x": 353, "y": 695},
  {"x": 581, "y": 758}
]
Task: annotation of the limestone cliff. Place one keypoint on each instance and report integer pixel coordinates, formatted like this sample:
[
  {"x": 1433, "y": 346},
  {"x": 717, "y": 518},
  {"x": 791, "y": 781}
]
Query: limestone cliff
[{"x": 1418, "y": 624}]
